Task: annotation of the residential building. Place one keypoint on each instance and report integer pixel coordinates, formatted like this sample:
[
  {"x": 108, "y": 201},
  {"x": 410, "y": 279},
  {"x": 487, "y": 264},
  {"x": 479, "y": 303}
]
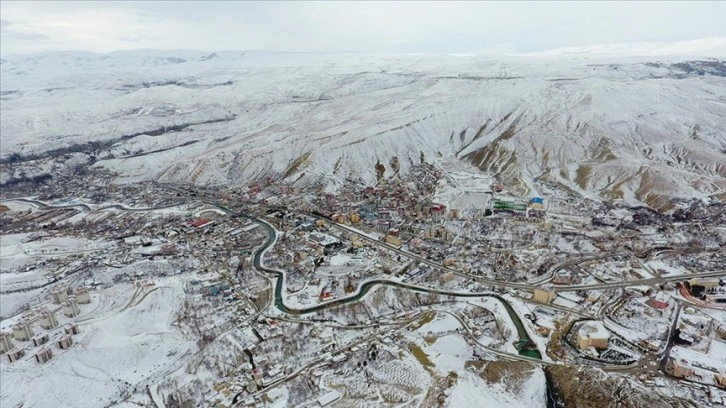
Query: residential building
[
  {"x": 447, "y": 277},
  {"x": 22, "y": 331},
  {"x": 437, "y": 212},
  {"x": 43, "y": 355},
  {"x": 59, "y": 294},
  {"x": 329, "y": 398},
  {"x": 721, "y": 380},
  {"x": 71, "y": 328},
  {"x": 680, "y": 368},
  {"x": 48, "y": 320},
  {"x": 15, "y": 354},
  {"x": 721, "y": 331},
  {"x": 83, "y": 296},
  {"x": 6, "y": 342},
  {"x": 65, "y": 341},
  {"x": 544, "y": 294},
  {"x": 593, "y": 334},
  {"x": 564, "y": 277},
  {"x": 659, "y": 301},
  {"x": 70, "y": 307},
  {"x": 393, "y": 240},
  {"x": 40, "y": 339}
]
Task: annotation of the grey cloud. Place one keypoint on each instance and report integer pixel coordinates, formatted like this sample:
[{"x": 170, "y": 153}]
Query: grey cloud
[
  {"x": 4, "y": 23},
  {"x": 27, "y": 36},
  {"x": 131, "y": 37}
]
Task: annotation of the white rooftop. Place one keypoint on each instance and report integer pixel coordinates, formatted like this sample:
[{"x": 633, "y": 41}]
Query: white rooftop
[
  {"x": 594, "y": 330},
  {"x": 329, "y": 398}
]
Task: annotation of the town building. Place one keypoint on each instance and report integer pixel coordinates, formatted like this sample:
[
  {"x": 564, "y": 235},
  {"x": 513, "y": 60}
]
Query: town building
[
  {"x": 6, "y": 342},
  {"x": 201, "y": 223},
  {"x": 593, "y": 334},
  {"x": 706, "y": 282},
  {"x": 22, "y": 331},
  {"x": 83, "y": 296},
  {"x": 659, "y": 301},
  {"x": 393, "y": 240},
  {"x": 680, "y": 368},
  {"x": 536, "y": 203},
  {"x": 565, "y": 277},
  {"x": 48, "y": 320},
  {"x": 329, "y": 398},
  {"x": 65, "y": 341},
  {"x": 257, "y": 375},
  {"x": 71, "y": 328},
  {"x": 214, "y": 288},
  {"x": 40, "y": 339},
  {"x": 447, "y": 277},
  {"x": 59, "y": 294},
  {"x": 508, "y": 204},
  {"x": 355, "y": 218},
  {"x": 721, "y": 331},
  {"x": 437, "y": 212},
  {"x": 721, "y": 380},
  {"x": 43, "y": 355},
  {"x": 15, "y": 354},
  {"x": 544, "y": 294},
  {"x": 70, "y": 307}
]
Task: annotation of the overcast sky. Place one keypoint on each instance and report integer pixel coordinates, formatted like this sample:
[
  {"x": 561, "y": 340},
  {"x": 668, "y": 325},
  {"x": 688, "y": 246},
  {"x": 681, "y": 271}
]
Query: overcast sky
[{"x": 448, "y": 27}]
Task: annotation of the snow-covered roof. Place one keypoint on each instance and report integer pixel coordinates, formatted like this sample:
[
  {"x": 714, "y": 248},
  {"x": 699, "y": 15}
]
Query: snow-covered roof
[
  {"x": 662, "y": 297},
  {"x": 329, "y": 398},
  {"x": 594, "y": 330}
]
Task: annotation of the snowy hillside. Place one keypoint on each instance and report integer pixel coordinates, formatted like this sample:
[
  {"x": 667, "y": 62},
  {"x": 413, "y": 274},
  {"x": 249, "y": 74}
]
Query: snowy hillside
[{"x": 639, "y": 129}]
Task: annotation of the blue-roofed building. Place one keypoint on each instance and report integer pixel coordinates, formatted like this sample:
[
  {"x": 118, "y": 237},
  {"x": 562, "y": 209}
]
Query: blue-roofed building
[{"x": 536, "y": 203}]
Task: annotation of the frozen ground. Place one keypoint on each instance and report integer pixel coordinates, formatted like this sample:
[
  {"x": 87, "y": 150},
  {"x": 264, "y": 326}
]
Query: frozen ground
[
  {"x": 471, "y": 390},
  {"x": 23, "y": 273},
  {"x": 117, "y": 352}
]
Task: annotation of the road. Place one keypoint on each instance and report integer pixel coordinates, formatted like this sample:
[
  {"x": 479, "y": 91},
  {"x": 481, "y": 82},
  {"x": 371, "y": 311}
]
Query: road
[
  {"x": 669, "y": 346},
  {"x": 415, "y": 257},
  {"x": 527, "y": 286},
  {"x": 87, "y": 208}
]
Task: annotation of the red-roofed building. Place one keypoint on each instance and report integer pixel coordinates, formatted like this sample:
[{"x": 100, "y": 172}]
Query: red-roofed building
[
  {"x": 438, "y": 211},
  {"x": 200, "y": 222},
  {"x": 660, "y": 300}
]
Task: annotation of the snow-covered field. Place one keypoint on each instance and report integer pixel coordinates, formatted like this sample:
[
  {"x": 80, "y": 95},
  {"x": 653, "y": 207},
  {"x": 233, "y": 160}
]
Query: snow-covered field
[
  {"x": 448, "y": 352},
  {"x": 471, "y": 391},
  {"x": 115, "y": 353}
]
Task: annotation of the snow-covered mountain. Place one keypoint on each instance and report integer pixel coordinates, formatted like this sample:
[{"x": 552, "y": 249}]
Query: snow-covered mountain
[{"x": 643, "y": 129}]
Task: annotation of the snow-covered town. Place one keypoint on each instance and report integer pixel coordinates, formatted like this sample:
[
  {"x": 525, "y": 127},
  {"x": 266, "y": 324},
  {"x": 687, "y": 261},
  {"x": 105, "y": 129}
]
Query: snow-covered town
[
  {"x": 422, "y": 289},
  {"x": 351, "y": 204}
]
